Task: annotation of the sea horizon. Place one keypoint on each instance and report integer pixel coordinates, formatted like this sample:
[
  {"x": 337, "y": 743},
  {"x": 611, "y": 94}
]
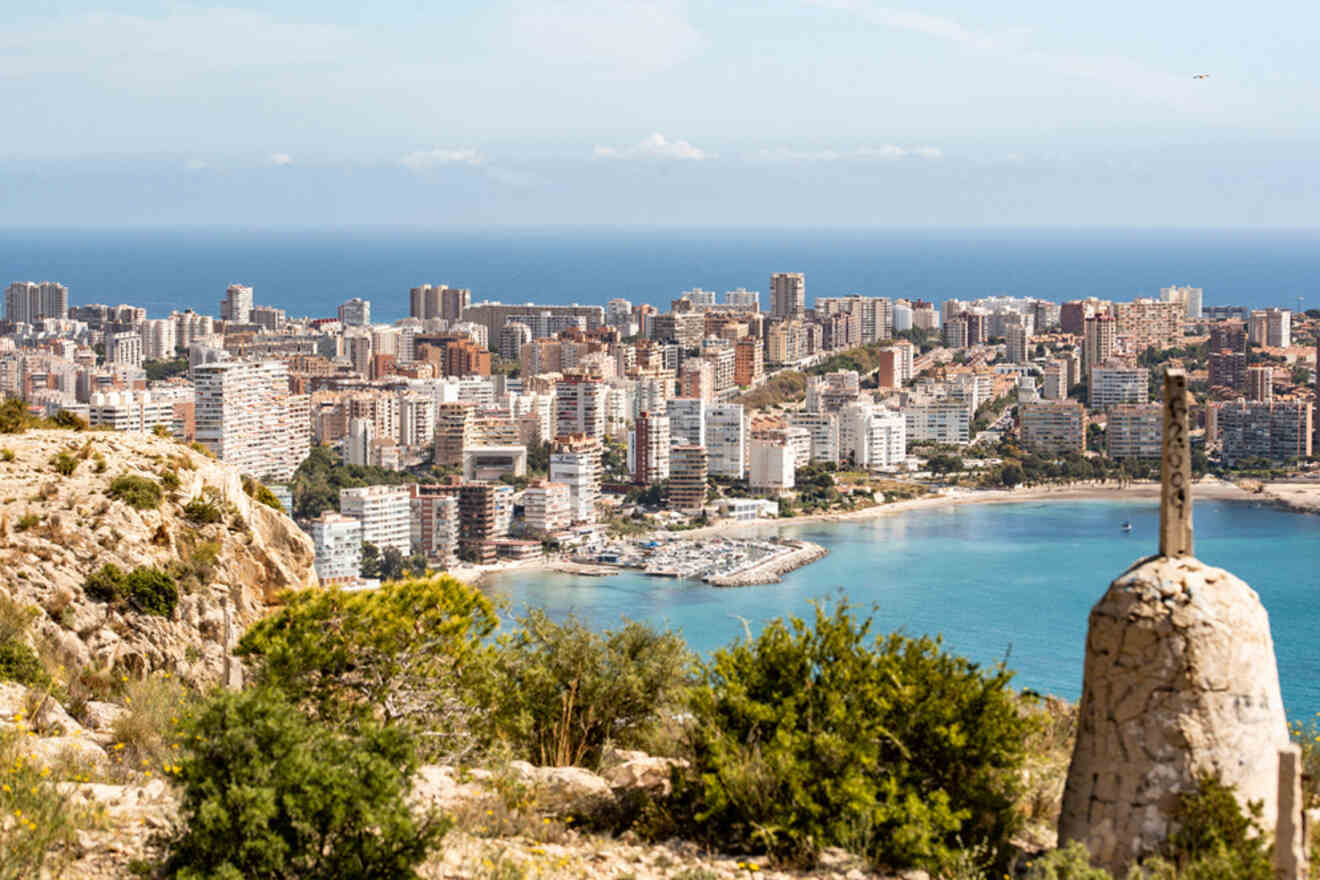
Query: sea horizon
[{"x": 308, "y": 270}]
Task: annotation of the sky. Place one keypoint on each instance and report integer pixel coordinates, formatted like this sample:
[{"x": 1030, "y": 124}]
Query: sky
[{"x": 660, "y": 112}]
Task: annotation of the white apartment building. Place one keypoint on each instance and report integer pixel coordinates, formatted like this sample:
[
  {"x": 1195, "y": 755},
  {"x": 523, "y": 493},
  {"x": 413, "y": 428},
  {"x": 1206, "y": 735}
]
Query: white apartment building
[
  {"x": 580, "y": 406},
  {"x": 237, "y": 304},
  {"x": 726, "y": 440},
  {"x": 772, "y": 468},
  {"x": 1135, "y": 431},
  {"x": 940, "y": 422},
  {"x": 434, "y": 527},
  {"x": 359, "y": 442},
  {"x": 743, "y": 299},
  {"x": 1188, "y": 297},
  {"x": 355, "y": 313},
  {"x": 130, "y": 411},
  {"x": 158, "y": 339},
  {"x": 247, "y": 417},
  {"x": 872, "y": 438},
  {"x": 687, "y": 421},
  {"x": 385, "y": 513},
  {"x": 124, "y": 348},
  {"x": 417, "y": 419},
  {"x": 27, "y": 302},
  {"x": 822, "y": 432},
  {"x": 575, "y": 462},
  {"x": 547, "y": 507},
  {"x": 338, "y": 541},
  {"x": 1112, "y": 385}
]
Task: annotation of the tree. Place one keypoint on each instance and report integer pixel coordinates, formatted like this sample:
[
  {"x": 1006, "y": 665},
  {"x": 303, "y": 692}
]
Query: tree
[
  {"x": 391, "y": 564},
  {"x": 370, "y": 560},
  {"x": 394, "y": 654},
  {"x": 1012, "y": 475},
  {"x": 944, "y": 464},
  {"x": 268, "y": 793}
]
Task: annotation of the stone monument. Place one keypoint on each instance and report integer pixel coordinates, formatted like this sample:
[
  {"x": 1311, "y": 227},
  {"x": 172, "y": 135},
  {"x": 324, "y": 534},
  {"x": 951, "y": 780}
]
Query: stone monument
[{"x": 1179, "y": 682}]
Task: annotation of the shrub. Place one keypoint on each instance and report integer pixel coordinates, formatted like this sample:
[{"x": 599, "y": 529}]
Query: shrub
[
  {"x": 142, "y": 493},
  {"x": 269, "y": 793},
  {"x": 14, "y": 416},
  {"x": 151, "y": 591},
  {"x": 1213, "y": 837},
  {"x": 259, "y": 491},
  {"x": 106, "y": 584},
  {"x": 65, "y": 463},
  {"x": 151, "y": 730},
  {"x": 27, "y": 521},
  {"x": 19, "y": 663},
  {"x": 394, "y": 654},
  {"x": 201, "y": 448},
  {"x": 815, "y": 736},
  {"x": 169, "y": 479},
  {"x": 1071, "y": 862},
  {"x": 6, "y": 454},
  {"x": 148, "y": 590},
  {"x": 38, "y": 836},
  {"x": 203, "y": 511},
  {"x": 557, "y": 693}
]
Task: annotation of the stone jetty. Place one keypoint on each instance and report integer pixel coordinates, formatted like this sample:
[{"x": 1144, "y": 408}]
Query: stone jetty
[{"x": 771, "y": 571}]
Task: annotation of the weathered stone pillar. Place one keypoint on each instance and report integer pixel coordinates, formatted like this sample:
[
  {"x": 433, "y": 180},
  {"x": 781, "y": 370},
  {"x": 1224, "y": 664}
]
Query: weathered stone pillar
[
  {"x": 1290, "y": 830},
  {"x": 1179, "y": 682}
]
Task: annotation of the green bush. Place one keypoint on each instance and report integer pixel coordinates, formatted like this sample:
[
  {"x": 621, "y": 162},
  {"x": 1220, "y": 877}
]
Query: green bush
[
  {"x": 142, "y": 493},
  {"x": 1071, "y": 862},
  {"x": 557, "y": 693},
  {"x": 38, "y": 837},
  {"x": 65, "y": 463},
  {"x": 70, "y": 420},
  {"x": 259, "y": 491},
  {"x": 268, "y": 793},
  {"x": 816, "y": 736},
  {"x": 14, "y": 416},
  {"x": 151, "y": 591},
  {"x": 27, "y": 521},
  {"x": 1214, "y": 838},
  {"x": 6, "y": 454},
  {"x": 394, "y": 654},
  {"x": 19, "y": 663},
  {"x": 203, "y": 511},
  {"x": 169, "y": 479},
  {"x": 148, "y": 590}
]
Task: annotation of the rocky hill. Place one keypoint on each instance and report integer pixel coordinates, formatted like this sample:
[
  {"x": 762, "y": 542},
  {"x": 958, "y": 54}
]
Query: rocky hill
[{"x": 73, "y": 502}]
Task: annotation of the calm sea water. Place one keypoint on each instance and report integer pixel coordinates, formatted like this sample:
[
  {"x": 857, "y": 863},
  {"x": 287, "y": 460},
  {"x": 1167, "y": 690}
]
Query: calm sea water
[
  {"x": 1013, "y": 581},
  {"x": 310, "y": 272}
]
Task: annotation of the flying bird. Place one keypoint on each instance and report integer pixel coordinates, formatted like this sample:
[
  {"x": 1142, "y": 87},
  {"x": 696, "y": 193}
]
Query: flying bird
[{"x": 1201, "y": 76}]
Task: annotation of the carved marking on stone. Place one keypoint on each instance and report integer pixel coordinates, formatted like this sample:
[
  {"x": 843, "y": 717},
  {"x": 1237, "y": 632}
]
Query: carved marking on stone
[{"x": 1176, "y": 469}]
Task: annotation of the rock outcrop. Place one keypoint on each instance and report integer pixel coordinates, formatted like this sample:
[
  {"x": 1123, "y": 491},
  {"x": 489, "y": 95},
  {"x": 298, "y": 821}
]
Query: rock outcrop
[
  {"x": 1180, "y": 681},
  {"x": 57, "y": 528}
]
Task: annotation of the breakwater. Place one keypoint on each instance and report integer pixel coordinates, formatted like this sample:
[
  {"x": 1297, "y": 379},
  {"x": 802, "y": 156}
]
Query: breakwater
[{"x": 795, "y": 555}]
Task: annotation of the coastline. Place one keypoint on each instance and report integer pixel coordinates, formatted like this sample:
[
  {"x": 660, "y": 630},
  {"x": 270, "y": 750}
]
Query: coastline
[{"x": 1304, "y": 498}]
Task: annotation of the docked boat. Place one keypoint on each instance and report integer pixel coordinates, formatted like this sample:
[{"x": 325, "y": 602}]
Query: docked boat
[{"x": 1126, "y": 527}]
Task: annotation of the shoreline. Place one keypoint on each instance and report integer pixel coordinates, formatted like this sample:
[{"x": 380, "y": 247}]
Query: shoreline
[{"x": 1299, "y": 498}]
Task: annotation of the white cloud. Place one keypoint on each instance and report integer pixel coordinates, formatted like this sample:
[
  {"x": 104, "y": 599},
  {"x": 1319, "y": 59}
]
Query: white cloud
[
  {"x": 427, "y": 159},
  {"x": 881, "y": 153},
  {"x": 657, "y": 146},
  {"x": 279, "y": 159},
  {"x": 624, "y": 37}
]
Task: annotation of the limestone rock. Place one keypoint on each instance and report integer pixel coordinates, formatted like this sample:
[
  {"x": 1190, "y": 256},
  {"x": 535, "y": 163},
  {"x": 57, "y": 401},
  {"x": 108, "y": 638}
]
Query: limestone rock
[
  {"x": 643, "y": 772},
  {"x": 1180, "y": 681}
]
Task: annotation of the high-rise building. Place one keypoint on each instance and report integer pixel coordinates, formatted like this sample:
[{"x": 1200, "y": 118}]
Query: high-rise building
[
  {"x": 434, "y": 521},
  {"x": 338, "y": 542},
  {"x": 385, "y": 513},
  {"x": 355, "y": 313},
  {"x": 236, "y": 307},
  {"x": 1228, "y": 336},
  {"x": 513, "y": 336},
  {"x": 748, "y": 362},
  {"x": 1260, "y": 383},
  {"x": 1100, "y": 341},
  {"x": 1015, "y": 335},
  {"x": 441, "y": 301},
  {"x": 1111, "y": 385},
  {"x": 478, "y": 521},
  {"x": 1187, "y": 297},
  {"x": 1135, "y": 431},
  {"x": 454, "y": 424},
  {"x": 772, "y": 465},
  {"x": 547, "y": 507},
  {"x": 822, "y": 432},
  {"x": 687, "y": 421},
  {"x": 872, "y": 438},
  {"x": 649, "y": 449},
  {"x": 575, "y": 462},
  {"x": 955, "y": 333},
  {"x": 939, "y": 421},
  {"x": 1279, "y": 431},
  {"x": 788, "y": 295},
  {"x": 687, "y": 477},
  {"x": 726, "y": 440},
  {"x": 1228, "y": 369},
  {"x": 158, "y": 339},
  {"x": 1055, "y": 383},
  {"x": 580, "y": 406},
  {"x": 1053, "y": 428},
  {"x": 742, "y": 298},
  {"x": 1149, "y": 323},
  {"x": 27, "y": 302},
  {"x": 124, "y": 348},
  {"x": 247, "y": 417}
]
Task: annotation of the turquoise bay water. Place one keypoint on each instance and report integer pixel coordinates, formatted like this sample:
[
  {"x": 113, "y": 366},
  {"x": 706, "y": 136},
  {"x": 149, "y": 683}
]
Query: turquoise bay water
[{"x": 996, "y": 580}]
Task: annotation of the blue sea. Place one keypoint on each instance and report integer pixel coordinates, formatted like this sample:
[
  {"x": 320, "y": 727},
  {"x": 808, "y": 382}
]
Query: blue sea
[
  {"x": 308, "y": 272},
  {"x": 1011, "y": 582}
]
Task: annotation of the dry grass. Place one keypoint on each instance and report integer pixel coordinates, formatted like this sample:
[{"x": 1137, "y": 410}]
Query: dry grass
[{"x": 1049, "y": 750}]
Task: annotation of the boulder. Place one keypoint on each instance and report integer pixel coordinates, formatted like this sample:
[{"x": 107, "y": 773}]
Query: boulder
[{"x": 1179, "y": 682}]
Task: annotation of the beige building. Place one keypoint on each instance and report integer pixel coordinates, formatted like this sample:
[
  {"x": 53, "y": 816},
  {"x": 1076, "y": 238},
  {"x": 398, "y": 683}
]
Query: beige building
[
  {"x": 687, "y": 477},
  {"x": 547, "y": 507},
  {"x": 788, "y": 294},
  {"x": 1052, "y": 429},
  {"x": 1135, "y": 431},
  {"x": 1149, "y": 323}
]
